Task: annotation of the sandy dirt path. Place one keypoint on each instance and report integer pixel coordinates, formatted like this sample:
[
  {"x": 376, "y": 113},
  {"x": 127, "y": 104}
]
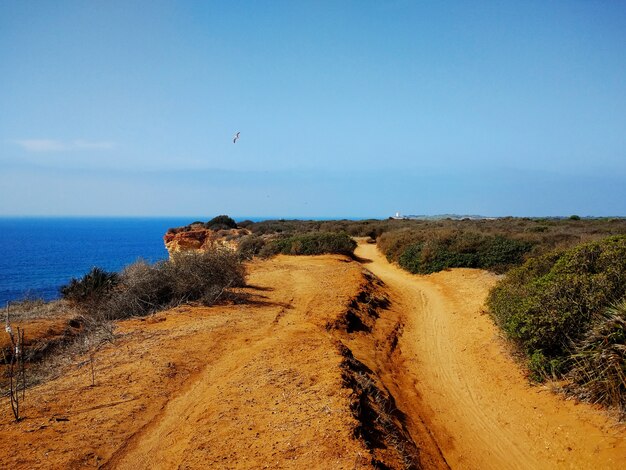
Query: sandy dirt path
[{"x": 455, "y": 375}]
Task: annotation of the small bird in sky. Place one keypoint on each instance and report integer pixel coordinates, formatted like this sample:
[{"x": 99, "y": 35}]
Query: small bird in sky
[{"x": 236, "y": 137}]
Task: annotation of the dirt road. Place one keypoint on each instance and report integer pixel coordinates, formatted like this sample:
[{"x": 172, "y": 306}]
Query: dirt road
[{"x": 453, "y": 372}]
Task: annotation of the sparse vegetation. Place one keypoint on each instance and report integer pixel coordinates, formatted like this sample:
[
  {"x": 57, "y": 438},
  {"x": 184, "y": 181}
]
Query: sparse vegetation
[
  {"x": 93, "y": 302},
  {"x": 15, "y": 368},
  {"x": 55, "y": 325},
  {"x": 193, "y": 276}
]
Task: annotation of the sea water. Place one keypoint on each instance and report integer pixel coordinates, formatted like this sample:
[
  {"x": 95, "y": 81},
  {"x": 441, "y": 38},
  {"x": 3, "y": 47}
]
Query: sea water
[{"x": 39, "y": 255}]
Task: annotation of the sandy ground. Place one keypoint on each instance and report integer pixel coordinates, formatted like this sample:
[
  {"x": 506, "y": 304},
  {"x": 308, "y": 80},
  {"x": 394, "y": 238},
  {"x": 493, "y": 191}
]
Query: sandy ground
[
  {"x": 478, "y": 406},
  {"x": 326, "y": 366},
  {"x": 241, "y": 386}
]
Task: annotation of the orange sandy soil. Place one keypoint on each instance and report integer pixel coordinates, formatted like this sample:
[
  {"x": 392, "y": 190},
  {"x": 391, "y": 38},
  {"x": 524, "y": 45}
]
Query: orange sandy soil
[
  {"x": 325, "y": 367},
  {"x": 40, "y": 331},
  {"x": 454, "y": 371},
  {"x": 239, "y": 386}
]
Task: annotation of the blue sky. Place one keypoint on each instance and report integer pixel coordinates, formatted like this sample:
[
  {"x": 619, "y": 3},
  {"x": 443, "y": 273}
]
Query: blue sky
[{"x": 345, "y": 108}]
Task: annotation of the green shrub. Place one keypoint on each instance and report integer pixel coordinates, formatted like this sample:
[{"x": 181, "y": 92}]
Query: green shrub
[
  {"x": 245, "y": 224},
  {"x": 411, "y": 257},
  {"x": 550, "y": 302},
  {"x": 499, "y": 253},
  {"x": 468, "y": 250},
  {"x": 393, "y": 244},
  {"x": 91, "y": 288},
  {"x": 221, "y": 222},
  {"x": 311, "y": 244}
]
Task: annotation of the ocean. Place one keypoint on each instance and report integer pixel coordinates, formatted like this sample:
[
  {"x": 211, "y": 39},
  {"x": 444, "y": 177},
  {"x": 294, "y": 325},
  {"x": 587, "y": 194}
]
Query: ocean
[{"x": 39, "y": 255}]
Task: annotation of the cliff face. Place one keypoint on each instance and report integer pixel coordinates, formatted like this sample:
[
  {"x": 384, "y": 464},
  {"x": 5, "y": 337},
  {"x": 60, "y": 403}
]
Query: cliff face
[{"x": 203, "y": 239}]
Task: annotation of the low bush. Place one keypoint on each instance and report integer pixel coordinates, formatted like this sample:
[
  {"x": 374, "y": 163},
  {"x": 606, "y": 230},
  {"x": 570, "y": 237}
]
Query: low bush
[
  {"x": 394, "y": 243},
  {"x": 221, "y": 222},
  {"x": 311, "y": 244},
  {"x": 469, "y": 250},
  {"x": 202, "y": 276},
  {"x": 550, "y": 303},
  {"x": 250, "y": 246},
  {"x": 144, "y": 288},
  {"x": 91, "y": 288}
]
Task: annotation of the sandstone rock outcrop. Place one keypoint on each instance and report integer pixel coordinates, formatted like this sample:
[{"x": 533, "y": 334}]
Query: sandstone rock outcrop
[{"x": 204, "y": 239}]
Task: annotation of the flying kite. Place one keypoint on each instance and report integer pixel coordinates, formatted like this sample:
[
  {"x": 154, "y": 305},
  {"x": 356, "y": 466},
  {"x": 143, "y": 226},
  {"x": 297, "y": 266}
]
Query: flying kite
[{"x": 236, "y": 137}]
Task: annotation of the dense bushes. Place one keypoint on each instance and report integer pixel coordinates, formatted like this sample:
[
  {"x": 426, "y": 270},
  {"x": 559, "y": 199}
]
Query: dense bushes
[
  {"x": 311, "y": 244},
  {"x": 546, "y": 234},
  {"x": 143, "y": 288},
  {"x": 221, "y": 222},
  {"x": 437, "y": 251},
  {"x": 552, "y": 303}
]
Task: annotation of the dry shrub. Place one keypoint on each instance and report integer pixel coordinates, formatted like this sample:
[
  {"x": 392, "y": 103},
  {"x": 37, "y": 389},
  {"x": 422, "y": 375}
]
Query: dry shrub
[
  {"x": 250, "y": 246},
  {"x": 31, "y": 309},
  {"x": 191, "y": 276},
  {"x": 598, "y": 370},
  {"x": 143, "y": 288}
]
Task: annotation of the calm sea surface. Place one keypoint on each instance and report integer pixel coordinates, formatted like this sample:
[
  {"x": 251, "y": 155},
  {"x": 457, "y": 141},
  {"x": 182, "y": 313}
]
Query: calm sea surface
[{"x": 41, "y": 254}]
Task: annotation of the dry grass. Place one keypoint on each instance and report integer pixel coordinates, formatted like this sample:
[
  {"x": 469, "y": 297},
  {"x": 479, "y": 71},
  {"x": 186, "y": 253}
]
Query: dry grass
[
  {"x": 35, "y": 309},
  {"x": 56, "y": 333},
  {"x": 598, "y": 373}
]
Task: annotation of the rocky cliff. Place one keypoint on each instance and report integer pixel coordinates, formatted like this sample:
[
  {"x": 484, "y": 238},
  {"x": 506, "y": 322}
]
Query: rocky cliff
[{"x": 199, "y": 238}]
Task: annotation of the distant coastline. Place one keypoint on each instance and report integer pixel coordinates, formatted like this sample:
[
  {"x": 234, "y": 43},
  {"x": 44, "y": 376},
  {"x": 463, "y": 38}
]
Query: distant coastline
[{"x": 399, "y": 216}]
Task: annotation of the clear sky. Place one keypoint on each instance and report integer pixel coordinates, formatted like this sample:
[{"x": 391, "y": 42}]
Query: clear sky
[{"x": 345, "y": 108}]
